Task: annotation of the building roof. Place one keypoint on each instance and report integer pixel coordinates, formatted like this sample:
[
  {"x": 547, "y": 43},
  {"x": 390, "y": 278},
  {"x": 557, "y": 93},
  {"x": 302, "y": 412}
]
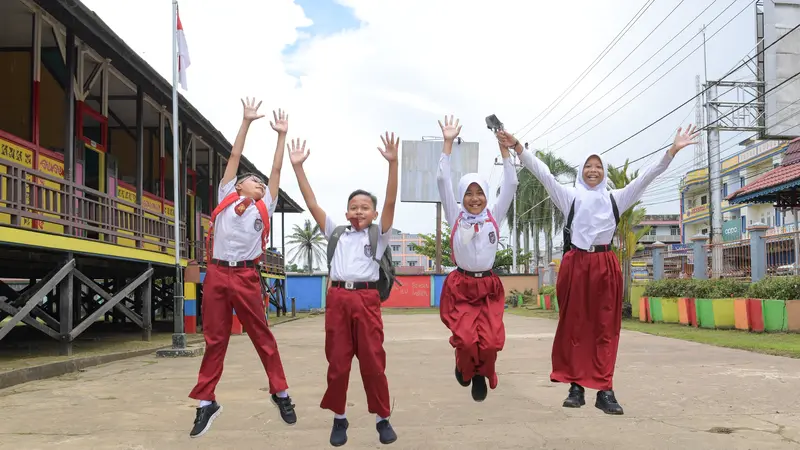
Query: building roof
[
  {"x": 765, "y": 187},
  {"x": 91, "y": 29}
]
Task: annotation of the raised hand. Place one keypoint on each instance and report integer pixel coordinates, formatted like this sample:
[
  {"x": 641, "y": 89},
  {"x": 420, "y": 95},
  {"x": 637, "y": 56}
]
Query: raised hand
[
  {"x": 281, "y": 124},
  {"x": 391, "y": 147},
  {"x": 684, "y": 139},
  {"x": 506, "y": 139},
  {"x": 449, "y": 129},
  {"x": 297, "y": 153},
  {"x": 251, "y": 110}
]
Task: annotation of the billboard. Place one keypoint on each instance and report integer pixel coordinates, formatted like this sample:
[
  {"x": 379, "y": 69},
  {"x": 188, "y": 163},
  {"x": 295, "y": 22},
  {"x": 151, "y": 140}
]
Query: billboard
[
  {"x": 778, "y": 63},
  {"x": 419, "y": 162}
]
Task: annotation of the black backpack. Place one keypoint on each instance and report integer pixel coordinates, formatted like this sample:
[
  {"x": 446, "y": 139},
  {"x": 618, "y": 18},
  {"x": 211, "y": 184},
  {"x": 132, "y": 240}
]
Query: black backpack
[
  {"x": 568, "y": 233},
  {"x": 387, "y": 277}
]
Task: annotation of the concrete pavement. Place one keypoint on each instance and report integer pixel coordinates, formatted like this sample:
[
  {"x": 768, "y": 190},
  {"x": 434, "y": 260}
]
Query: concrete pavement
[{"x": 676, "y": 395}]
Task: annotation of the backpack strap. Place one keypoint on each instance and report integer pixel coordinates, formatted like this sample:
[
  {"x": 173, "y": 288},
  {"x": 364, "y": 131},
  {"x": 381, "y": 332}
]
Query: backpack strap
[
  {"x": 374, "y": 231},
  {"x": 494, "y": 222},
  {"x": 571, "y": 214},
  {"x": 332, "y": 241},
  {"x": 227, "y": 201},
  {"x": 453, "y": 237},
  {"x": 264, "y": 212},
  {"x": 614, "y": 207}
]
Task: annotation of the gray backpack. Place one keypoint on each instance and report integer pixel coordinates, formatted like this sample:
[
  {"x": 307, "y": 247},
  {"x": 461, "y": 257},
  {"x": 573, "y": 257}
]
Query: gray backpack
[{"x": 387, "y": 277}]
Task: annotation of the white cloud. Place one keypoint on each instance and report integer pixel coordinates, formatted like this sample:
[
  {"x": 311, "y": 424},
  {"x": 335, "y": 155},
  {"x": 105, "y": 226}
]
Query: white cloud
[{"x": 411, "y": 62}]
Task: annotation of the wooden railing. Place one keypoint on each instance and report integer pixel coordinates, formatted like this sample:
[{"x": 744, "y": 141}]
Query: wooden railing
[{"x": 81, "y": 211}]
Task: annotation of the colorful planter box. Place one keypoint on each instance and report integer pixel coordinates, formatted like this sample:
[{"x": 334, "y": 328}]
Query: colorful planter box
[
  {"x": 547, "y": 304},
  {"x": 775, "y": 315},
  {"x": 741, "y": 319},
  {"x": 655, "y": 310},
  {"x": 669, "y": 310},
  {"x": 687, "y": 312},
  {"x": 755, "y": 315},
  {"x": 644, "y": 310},
  {"x": 793, "y": 315},
  {"x": 705, "y": 312},
  {"x": 724, "y": 313},
  {"x": 555, "y": 302}
]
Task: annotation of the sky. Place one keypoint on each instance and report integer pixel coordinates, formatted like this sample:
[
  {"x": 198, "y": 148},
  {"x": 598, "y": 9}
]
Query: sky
[{"x": 349, "y": 70}]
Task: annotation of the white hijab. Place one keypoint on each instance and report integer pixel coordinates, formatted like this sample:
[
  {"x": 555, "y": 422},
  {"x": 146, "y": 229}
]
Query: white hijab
[
  {"x": 466, "y": 230},
  {"x": 593, "y": 211}
]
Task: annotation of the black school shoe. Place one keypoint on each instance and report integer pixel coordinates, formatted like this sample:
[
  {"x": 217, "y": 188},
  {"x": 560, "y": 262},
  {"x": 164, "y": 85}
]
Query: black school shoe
[
  {"x": 205, "y": 416},
  {"x": 339, "y": 432},
  {"x": 575, "y": 399},
  {"x": 386, "y": 433},
  {"x": 460, "y": 379},
  {"x": 286, "y": 409},
  {"x": 479, "y": 389},
  {"x": 607, "y": 402}
]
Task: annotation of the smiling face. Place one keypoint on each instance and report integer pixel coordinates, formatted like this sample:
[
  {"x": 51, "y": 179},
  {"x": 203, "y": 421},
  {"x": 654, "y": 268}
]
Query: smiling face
[
  {"x": 593, "y": 171},
  {"x": 474, "y": 199},
  {"x": 361, "y": 209},
  {"x": 251, "y": 186}
]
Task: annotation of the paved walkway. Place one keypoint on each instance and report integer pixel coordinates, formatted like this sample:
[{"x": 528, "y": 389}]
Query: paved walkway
[{"x": 677, "y": 395}]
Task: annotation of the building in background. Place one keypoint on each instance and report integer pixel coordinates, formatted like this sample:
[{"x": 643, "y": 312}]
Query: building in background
[
  {"x": 405, "y": 259},
  {"x": 739, "y": 170},
  {"x": 664, "y": 228}
]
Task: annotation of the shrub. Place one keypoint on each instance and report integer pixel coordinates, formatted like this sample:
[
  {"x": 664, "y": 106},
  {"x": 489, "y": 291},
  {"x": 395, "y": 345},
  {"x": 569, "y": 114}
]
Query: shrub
[
  {"x": 677, "y": 288},
  {"x": 548, "y": 290},
  {"x": 778, "y": 288}
]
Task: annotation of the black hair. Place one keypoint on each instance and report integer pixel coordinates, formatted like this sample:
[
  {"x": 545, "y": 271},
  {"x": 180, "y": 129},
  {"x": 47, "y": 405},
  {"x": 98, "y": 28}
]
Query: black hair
[
  {"x": 245, "y": 176},
  {"x": 363, "y": 192}
]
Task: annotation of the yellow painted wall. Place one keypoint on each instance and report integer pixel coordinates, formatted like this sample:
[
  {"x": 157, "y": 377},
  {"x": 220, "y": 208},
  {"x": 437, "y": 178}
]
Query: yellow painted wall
[
  {"x": 15, "y": 94},
  {"x": 123, "y": 147}
]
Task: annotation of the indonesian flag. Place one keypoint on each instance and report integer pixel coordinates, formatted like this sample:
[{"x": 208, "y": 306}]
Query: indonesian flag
[{"x": 183, "y": 54}]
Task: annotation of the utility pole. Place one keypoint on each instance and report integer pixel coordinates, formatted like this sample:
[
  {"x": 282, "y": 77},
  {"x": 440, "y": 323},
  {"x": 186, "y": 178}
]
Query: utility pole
[{"x": 715, "y": 185}]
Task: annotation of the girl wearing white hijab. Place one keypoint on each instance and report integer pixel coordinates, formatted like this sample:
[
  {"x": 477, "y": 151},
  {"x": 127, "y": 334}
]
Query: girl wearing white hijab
[
  {"x": 589, "y": 282},
  {"x": 473, "y": 300}
]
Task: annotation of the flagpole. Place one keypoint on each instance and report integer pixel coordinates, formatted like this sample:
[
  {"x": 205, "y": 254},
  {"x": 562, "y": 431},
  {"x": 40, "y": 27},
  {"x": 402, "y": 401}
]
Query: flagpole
[{"x": 179, "y": 336}]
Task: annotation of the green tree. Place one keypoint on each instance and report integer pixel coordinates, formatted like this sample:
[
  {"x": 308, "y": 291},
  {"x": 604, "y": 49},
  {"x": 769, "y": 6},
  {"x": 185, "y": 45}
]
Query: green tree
[
  {"x": 503, "y": 258},
  {"x": 309, "y": 244},
  {"x": 627, "y": 240}
]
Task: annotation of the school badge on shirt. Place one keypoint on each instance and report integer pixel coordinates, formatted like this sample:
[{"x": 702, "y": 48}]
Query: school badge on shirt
[
  {"x": 492, "y": 237},
  {"x": 368, "y": 251},
  {"x": 258, "y": 225}
]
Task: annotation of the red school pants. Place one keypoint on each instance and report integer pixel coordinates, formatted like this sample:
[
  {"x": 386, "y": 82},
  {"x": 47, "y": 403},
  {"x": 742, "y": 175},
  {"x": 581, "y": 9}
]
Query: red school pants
[
  {"x": 472, "y": 308},
  {"x": 353, "y": 326},
  {"x": 226, "y": 289}
]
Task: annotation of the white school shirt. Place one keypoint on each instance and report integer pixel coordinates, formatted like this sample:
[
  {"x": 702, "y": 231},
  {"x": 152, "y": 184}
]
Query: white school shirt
[
  {"x": 479, "y": 253},
  {"x": 352, "y": 260},
  {"x": 593, "y": 223},
  {"x": 238, "y": 238}
]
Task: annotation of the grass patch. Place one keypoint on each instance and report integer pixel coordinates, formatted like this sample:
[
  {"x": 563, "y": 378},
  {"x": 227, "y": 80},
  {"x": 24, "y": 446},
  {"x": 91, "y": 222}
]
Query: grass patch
[{"x": 779, "y": 344}]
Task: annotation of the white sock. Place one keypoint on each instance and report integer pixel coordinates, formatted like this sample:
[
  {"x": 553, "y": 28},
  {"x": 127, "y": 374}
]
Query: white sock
[
  {"x": 379, "y": 418},
  {"x": 282, "y": 394},
  {"x": 339, "y": 416},
  {"x": 205, "y": 403}
]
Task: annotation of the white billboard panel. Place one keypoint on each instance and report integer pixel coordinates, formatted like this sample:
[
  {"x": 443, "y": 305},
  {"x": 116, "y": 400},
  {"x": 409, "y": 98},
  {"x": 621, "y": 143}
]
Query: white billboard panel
[
  {"x": 420, "y": 161},
  {"x": 781, "y": 61}
]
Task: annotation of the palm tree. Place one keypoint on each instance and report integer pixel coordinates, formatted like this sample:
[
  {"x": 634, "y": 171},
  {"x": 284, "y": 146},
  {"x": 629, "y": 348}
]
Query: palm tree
[
  {"x": 537, "y": 215},
  {"x": 627, "y": 239},
  {"x": 309, "y": 245}
]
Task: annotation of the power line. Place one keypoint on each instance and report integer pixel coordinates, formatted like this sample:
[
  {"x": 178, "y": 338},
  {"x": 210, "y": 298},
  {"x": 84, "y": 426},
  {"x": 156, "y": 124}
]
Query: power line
[
  {"x": 556, "y": 125},
  {"x": 642, "y": 92},
  {"x": 594, "y": 63}
]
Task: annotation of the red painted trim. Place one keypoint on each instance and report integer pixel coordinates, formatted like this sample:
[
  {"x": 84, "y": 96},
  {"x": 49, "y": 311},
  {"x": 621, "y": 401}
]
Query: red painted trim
[
  {"x": 21, "y": 142},
  {"x": 35, "y": 99},
  {"x": 82, "y": 108},
  {"x": 161, "y": 167},
  {"x": 190, "y": 324}
]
